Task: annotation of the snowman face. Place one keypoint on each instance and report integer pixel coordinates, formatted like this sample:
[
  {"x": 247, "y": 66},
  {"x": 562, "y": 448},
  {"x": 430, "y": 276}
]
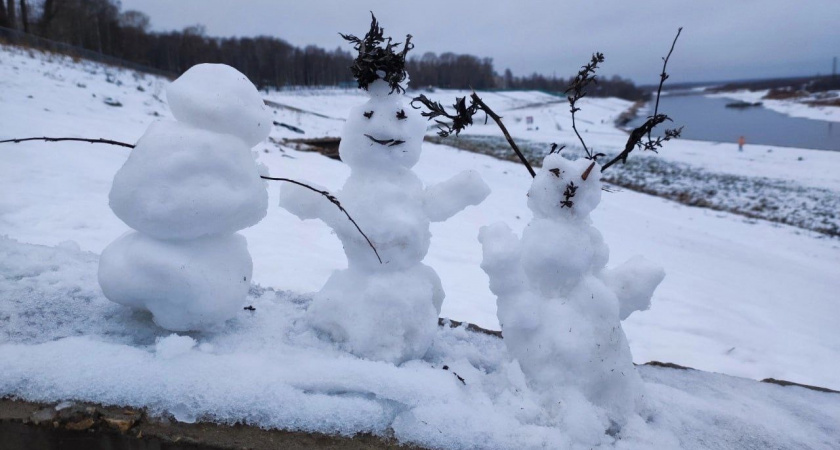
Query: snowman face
[
  {"x": 549, "y": 194},
  {"x": 382, "y": 133}
]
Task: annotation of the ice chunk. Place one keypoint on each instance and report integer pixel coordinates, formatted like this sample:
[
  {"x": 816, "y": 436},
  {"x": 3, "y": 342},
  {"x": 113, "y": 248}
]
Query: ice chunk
[
  {"x": 219, "y": 98},
  {"x": 187, "y": 285},
  {"x": 173, "y": 346},
  {"x": 182, "y": 182}
]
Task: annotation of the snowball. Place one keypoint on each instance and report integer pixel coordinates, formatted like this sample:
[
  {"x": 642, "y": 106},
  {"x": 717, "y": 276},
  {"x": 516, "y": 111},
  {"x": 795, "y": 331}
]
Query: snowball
[
  {"x": 634, "y": 283},
  {"x": 219, "y": 98},
  {"x": 186, "y": 285},
  {"x": 546, "y": 194},
  {"x": 173, "y": 346},
  {"x": 181, "y": 182},
  {"x": 388, "y": 316}
]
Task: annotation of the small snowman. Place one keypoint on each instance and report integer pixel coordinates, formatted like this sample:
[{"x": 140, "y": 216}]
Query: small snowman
[
  {"x": 385, "y": 310},
  {"x": 187, "y": 187},
  {"x": 559, "y": 307}
]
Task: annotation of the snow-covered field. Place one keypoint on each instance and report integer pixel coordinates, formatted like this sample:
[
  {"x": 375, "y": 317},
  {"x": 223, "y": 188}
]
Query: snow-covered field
[{"x": 741, "y": 297}]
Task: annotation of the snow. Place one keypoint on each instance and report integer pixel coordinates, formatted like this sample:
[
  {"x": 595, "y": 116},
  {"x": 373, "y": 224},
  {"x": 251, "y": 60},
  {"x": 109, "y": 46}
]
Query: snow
[
  {"x": 268, "y": 369},
  {"x": 742, "y": 297},
  {"x": 187, "y": 285},
  {"x": 182, "y": 182},
  {"x": 218, "y": 97}
]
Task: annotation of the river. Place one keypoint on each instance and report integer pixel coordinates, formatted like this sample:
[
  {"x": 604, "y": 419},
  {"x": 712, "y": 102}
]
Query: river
[{"x": 708, "y": 119}]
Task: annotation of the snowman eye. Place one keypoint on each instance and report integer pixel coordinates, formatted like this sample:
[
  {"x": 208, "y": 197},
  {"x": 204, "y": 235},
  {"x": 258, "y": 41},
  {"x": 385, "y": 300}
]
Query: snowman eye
[
  {"x": 401, "y": 115},
  {"x": 555, "y": 171},
  {"x": 368, "y": 114}
]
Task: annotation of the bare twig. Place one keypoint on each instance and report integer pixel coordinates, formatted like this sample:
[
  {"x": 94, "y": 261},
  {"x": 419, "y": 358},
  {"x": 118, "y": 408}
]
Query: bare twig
[
  {"x": 52, "y": 139},
  {"x": 326, "y": 194},
  {"x": 636, "y": 136},
  {"x": 496, "y": 118},
  {"x": 332, "y": 200},
  {"x": 585, "y": 77},
  {"x": 664, "y": 76},
  {"x": 463, "y": 117}
]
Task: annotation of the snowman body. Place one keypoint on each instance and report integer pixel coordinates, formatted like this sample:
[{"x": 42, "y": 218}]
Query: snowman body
[
  {"x": 187, "y": 187},
  {"x": 559, "y": 307},
  {"x": 384, "y": 310}
]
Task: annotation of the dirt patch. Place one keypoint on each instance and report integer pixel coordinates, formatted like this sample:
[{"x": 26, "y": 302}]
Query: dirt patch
[{"x": 84, "y": 426}]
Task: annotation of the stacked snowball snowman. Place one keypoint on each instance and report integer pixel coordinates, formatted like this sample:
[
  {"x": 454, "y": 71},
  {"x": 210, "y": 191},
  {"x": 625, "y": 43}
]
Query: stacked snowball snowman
[
  {"x": 559, "y": 307},
  {"x": 187, "y": 187},
  {"x": 384, "y": 310}
]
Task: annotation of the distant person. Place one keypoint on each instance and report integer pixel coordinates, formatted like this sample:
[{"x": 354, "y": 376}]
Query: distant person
[{"x": 741, "y": 142}]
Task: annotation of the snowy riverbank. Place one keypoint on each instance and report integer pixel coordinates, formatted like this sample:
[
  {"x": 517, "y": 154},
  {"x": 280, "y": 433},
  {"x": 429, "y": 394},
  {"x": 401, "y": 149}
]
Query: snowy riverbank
[{"x": 792, "y": 107}]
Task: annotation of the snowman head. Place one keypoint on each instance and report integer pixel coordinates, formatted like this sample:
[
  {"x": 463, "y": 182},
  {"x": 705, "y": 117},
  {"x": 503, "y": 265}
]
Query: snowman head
[
  {"x": 565, "y": 188},
  {"x": 383, "y": 133}
]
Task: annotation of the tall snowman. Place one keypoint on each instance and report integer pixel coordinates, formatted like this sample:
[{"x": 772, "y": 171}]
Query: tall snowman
[
  {"x": 559, "y": 307},
  {"x": 187, "y": 187},
  {"x": 384, "y": 310}
]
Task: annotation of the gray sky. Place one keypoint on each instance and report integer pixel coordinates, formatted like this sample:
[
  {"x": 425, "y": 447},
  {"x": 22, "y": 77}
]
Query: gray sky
[{"x": 721, "y": 40}]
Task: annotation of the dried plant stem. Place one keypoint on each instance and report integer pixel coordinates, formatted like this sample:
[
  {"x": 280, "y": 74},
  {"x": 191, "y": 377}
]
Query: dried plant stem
[
  {"x": 53, "y": 139},
  {"x": 332, "y": 200},
  {"x": 496, "y": 118},
  {"x": 326, "y": 194},
  {"x": 664, "y": 76}
]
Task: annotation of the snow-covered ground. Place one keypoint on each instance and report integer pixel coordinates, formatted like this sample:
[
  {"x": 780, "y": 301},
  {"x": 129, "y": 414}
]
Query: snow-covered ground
[
  {"x": 792, "y": 107},
  {"x": 745, "y": 298}
]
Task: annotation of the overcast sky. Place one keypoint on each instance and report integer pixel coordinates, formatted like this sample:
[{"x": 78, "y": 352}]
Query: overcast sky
[{"x": 721, "y": 40}]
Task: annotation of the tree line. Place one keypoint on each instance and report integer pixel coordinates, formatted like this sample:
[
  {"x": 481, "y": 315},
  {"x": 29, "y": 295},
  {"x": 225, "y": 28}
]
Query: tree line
[{"x": 100, "y": 26}]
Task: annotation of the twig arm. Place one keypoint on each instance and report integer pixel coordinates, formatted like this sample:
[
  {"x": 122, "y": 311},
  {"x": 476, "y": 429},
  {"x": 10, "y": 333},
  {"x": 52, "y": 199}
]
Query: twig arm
[
  {"x": 332, "y": 200},
  {"x": 496, "y": 118},
  {"x": 53, "y": 139},
  {"x": 326, "y": 194}
]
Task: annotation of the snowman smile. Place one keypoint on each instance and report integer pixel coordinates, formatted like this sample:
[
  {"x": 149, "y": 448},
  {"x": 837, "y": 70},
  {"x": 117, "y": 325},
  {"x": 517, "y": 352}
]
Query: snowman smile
[{"x": 385, "y": 142}]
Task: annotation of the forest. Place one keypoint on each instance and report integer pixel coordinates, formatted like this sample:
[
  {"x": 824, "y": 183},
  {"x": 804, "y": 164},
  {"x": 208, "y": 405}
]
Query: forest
[{"x": 102, "y": 27}]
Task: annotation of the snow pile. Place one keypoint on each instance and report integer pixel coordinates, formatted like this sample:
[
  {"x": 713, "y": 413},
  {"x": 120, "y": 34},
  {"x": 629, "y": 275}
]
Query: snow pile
[
  {"x": 559, "y": 308},
  {"x": 187, "y": 187},
  {"x": 61, "y": 340},
  {"x": 388, "y": 309}
]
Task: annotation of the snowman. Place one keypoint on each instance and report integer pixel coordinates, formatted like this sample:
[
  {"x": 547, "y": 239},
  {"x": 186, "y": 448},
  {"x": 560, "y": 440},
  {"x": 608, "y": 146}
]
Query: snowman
[
  {"x": 383, "y": 309},
  {"x": 559, "y": 307},
  {"x": 187, "y": 187}
]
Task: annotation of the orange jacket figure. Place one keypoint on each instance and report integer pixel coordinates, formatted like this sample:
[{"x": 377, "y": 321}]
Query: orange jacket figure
[{"x": 741, "y": 142}]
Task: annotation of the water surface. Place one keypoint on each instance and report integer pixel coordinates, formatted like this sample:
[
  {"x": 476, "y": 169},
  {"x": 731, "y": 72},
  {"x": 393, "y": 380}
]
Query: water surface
[{"x": 708, "y": 119}]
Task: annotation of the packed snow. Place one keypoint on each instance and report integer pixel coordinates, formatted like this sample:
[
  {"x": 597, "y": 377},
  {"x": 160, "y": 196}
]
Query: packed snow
[
  {"x": 187, "y": 187},
  {"x": 731, "y": 303},
  {"x": 268, "y": 368},
  {"x": 553, "y": 279}
]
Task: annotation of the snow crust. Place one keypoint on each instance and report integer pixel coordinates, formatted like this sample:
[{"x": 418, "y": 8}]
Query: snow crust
[
  {"x": 383, "y": 309},
  {"x": 268, "y": 368}
]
